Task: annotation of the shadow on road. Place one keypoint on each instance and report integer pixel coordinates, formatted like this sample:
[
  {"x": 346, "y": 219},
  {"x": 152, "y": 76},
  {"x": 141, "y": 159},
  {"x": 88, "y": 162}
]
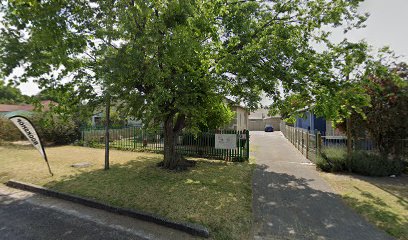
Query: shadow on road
[{"x": 288, "y": 207}]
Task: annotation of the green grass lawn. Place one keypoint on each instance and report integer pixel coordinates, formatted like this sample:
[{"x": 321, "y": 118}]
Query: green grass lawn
[
  {"x": 215, "y": 194},
  {"x": 382, "y": 201}
]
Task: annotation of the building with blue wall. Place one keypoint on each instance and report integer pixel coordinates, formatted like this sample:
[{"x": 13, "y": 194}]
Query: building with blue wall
[{"x": 311, "y": 122}]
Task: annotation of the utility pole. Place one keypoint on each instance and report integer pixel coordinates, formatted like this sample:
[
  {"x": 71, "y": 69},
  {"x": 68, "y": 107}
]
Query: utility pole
[
  {"x": 107, "y": 121},
  {"x": 349, "y": 138},
  {"x": 108, "y": 102},
  {"x": 348, "y": 129}
]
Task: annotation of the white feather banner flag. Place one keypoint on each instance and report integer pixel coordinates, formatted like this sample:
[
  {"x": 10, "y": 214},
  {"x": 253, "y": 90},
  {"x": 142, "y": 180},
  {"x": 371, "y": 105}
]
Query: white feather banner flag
[{"x": 27, "y": 128}]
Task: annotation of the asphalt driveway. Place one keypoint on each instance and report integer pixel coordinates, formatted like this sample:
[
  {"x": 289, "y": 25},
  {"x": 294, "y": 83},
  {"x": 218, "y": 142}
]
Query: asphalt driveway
[{"x": 291, "y": 200}]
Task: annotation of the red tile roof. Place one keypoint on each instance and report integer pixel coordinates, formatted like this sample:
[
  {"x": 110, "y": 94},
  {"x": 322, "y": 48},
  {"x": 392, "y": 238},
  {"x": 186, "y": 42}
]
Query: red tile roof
[{"x": 25, "y": 107}]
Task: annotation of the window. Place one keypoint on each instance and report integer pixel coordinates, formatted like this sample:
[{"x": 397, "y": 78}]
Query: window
[{"x": 97, "y": 121}]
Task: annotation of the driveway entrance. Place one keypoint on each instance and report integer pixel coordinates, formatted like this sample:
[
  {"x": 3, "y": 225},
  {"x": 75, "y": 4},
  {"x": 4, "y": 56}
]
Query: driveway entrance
[{"x": 291, "y": 200}]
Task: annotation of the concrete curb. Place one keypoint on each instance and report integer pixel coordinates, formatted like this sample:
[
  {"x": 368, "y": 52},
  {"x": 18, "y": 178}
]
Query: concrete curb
[{"x": 193, "y": 229}]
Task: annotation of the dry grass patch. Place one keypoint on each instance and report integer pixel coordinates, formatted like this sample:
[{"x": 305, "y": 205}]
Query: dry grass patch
[
  {"x": 214, "y": 193},
  {"x": 382, "y": 201}
]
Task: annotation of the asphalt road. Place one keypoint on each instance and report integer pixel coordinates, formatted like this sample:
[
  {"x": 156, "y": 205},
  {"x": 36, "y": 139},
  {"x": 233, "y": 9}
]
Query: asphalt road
[
  {"x": 291, "y": 200},
  {"x": 22, "y": 220},
  {"x": 27, "y": 216}
]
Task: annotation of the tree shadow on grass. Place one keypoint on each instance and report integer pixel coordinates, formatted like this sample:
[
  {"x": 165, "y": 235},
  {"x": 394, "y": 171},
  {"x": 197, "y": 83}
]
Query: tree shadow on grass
[
  {"x": 377, "y": 213},
  {"x": 397, "y": 187},
  {"x": 290, "y": 207},
  {"x": 374, "y": 199},
  {"x": 213, "y": 193}
]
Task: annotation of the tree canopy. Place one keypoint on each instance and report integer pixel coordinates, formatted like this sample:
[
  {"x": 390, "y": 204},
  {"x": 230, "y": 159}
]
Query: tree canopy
[
  {"x": 11, "y": 95},
  {"x": 385, "y": 119},
  {"x": 171, "y": 61}
]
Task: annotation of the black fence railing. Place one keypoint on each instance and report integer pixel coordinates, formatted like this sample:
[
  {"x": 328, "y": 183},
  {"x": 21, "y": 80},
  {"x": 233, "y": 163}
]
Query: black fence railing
[
  {"x": 202, "y": 144},
  {"x": 310, "y": 144}
]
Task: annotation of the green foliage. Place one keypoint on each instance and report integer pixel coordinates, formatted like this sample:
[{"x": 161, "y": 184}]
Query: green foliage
[
  {"x": 51, "y": 128},
  {"x": 332, "y": 159},
  {"x": 385, "y": 120},
  {"x": 8, "y": 131},
  {"x": 174, "y": 60},
  {"x": 67, "y": 103},
  {"x": 374, "y": 164},
  {"x": 289, "y": 107},
  {"x": 54, "y": 129},
  {"x": 337, "y": 93},
  {"x": 11, "y": 95},
  {"x": 217, "y": 116},
  {"x": 116, "y": 119},
  {"x": 370, "y": 91}
]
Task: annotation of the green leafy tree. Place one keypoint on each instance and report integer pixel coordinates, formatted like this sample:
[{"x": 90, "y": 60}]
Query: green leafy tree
[
  {"x": 11, "y": 95},
  {"x": 218, "y": 116},
  {"x": 67, "y": 103},
  {"x": 289, "y": 108},
  {"x": 385, "y": 120},
  {"x": 344, "y": 95},
  {"x": 55, "y": 129},
  {"x": 172, "y": 61},
  {"x": 337, "y": 92},
  {"x": 401, "y": 69}
]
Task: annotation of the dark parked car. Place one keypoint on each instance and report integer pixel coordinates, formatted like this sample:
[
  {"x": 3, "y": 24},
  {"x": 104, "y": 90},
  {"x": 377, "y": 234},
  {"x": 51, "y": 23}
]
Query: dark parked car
[{"x": 268, "y": 128}]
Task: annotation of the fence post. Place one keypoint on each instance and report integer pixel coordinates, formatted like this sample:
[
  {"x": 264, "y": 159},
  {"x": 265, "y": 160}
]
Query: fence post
[
  {"x": 83, "y": 135},
  {"x": 318, "y": 144},
  {"x": 296, "y": 136},
  {"x": 307, "y": 145},
  {"x": 298, "y": 139},
  {"x": 247, "y": 145},
  {"x": 134, "y": 138},
  {"x": 289, "y": 134},
  {"x": 292, "y": 137}
]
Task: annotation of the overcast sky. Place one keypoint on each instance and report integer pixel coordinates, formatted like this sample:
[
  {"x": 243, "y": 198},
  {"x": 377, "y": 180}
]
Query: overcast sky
[{"x": 387, "y": 26}]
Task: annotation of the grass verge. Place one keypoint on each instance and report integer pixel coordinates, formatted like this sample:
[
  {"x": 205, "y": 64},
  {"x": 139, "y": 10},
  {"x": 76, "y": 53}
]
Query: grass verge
[
  {"x": 382, "y": 201},
  {"x": 214, "y": 193}
]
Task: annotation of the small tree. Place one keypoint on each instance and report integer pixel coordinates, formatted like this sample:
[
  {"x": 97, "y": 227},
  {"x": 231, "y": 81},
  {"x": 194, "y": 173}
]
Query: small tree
[
  {"x": 385, "y": 120},
  {"x": 54, "y": 129},
  {"x": 337, "y": 93}
]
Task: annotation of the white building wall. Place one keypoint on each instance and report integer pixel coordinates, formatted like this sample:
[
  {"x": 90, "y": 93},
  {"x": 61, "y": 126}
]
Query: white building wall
[{"x": 242, "y": 119}]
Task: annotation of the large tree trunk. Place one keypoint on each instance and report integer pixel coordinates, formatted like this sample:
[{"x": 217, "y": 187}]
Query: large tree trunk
[
  {"x": 170, "y": 155},
  {"x": 171, "y": 159}
]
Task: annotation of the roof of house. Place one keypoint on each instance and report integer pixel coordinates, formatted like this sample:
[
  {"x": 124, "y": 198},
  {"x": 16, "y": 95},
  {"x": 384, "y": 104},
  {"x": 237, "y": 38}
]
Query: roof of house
[
  {"x": 234, "y": 103},
  {"x": 260, "y": 113},
  {"x": 12, "y": 108},
  {"x": 24, "y": 107}
]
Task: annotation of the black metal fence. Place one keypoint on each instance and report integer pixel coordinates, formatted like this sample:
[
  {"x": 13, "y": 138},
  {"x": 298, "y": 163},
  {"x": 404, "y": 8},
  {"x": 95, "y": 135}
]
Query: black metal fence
[
  {"x": 311, "y": 145},
  {"x": 198, "y": 145}
]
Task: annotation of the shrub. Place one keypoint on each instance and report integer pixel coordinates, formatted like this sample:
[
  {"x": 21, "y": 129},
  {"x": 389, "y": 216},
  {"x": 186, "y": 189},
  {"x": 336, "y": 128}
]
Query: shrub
[
  {"x": 374, "y": 164},
  {"x": 56, "y": 130},
  {"x": 332, "y": 159},
  {"x": 361, "y": 162},
  {"x": 52, "y": 129},
  {"x": 9, "y": 132}
]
